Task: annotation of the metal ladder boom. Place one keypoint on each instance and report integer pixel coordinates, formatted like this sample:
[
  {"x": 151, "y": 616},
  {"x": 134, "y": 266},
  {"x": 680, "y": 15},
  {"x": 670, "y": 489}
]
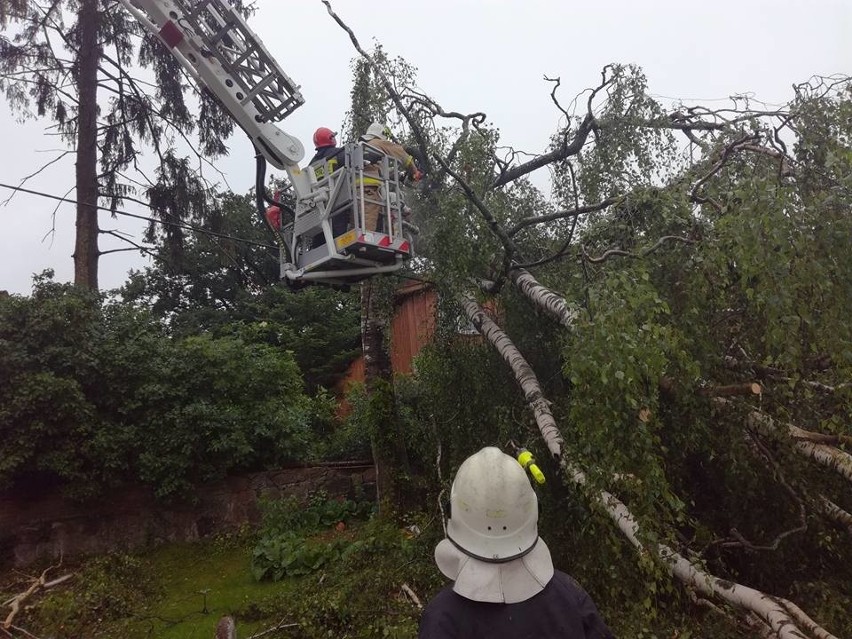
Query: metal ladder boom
[{"x": 213, "y": 43}]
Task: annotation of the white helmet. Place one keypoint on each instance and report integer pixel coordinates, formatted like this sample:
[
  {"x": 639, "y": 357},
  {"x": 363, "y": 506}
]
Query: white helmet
[
  {"x": 493, "y": 508},
  {"x": 376, "y": 130}
]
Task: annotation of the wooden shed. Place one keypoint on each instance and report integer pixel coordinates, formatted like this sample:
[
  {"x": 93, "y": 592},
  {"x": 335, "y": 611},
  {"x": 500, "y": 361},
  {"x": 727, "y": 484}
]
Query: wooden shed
[{"x": 412, "y": 327}]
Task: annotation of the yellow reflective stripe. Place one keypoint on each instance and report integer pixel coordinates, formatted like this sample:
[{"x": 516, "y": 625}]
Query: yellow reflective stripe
[
  {"x": 319, "y": 171},
  {"x": 368, "y": 181}
]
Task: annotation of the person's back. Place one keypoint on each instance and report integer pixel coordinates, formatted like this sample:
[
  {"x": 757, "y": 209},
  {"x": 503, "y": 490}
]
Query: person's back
[
  {"x": 561, "y": 609},
  {"x": 376, "y": 138},
  {"x": 391, "y": 149},
  {"x": 328, "y": 154},
  {"x": 505, "y": 586},
  {"x": 329, "y": 158}
]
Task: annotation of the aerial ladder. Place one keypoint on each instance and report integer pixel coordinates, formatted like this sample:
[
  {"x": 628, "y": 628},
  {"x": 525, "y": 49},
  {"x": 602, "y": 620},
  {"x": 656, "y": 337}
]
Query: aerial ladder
[{"x": 324, "y": 239}]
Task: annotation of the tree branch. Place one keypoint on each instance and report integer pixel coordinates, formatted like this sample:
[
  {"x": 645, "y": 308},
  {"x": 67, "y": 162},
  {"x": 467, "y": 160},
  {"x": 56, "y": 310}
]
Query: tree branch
[
  {"x": 835, "y": 513},
  {"x": 737, "y": 539},
  {"x": 565, "y": 150},
  {"x": 823, "y": 454},
  {"x": 495, "y": 226},
  {"x": 559, "y": 215},
  {"x": 35, "y": 173},
  {"x": 781, "y": 620},
  {"x": 643, "y": 253},
  {"x": 543, "y": 298},
  {"x": 38, "y": 584},
  {"x": 386, "y": 83}
]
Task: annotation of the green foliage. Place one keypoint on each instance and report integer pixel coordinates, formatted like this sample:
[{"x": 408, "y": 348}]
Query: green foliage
[
  {"x": 465, "y": 400},
  {"x": 106, "y": 589},
  {"x": 615, "y": 365},
  {"x": 360, "y": 595},
  {"x": 369, "y": 98},
  {"x": 95, "y": 393},
  {"x": 284, "y": 548},
  {"x": 627, "y": 152},
  {"x": 293, "y": 556},
  {"x": 225, "y": 288},
  {"x": 351, "y": 439},
  {"x": 281, "y": 516},
  {"x": 250, "y": 413}
]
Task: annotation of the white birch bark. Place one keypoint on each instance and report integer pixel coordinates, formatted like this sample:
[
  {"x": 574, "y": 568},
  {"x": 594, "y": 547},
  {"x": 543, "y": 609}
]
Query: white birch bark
[
  {"x": 835, "y": 513},
  {"x": 829, "y": 456},
  {"x": 785, "y": 620},
  {"x": 524, "y": 373},
  {"x": 543, "y": 297}
]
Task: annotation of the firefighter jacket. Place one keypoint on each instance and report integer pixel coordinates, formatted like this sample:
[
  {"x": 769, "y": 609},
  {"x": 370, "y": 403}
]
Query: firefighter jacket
[
  {"x": 332, "y": 156},
  {"x": 563, "y": 610},
  {"x": 391, "y": 149}
]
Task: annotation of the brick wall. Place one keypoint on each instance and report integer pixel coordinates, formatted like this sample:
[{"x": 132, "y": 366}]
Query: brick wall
[{"x": 43, "y": 527}]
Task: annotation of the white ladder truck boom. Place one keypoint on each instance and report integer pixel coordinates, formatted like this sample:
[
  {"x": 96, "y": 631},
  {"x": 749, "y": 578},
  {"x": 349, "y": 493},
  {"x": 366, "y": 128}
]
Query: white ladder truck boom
[{"x": 215, "y": 46}]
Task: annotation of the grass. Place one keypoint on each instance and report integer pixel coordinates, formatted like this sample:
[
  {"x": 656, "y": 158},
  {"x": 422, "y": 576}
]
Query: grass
[
  {"x": 193, "y": 575},
  {"x": 181, "y": 590}
]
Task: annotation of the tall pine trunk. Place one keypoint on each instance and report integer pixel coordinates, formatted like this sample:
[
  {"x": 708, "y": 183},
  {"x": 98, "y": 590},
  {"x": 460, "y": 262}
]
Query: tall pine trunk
[{"x": 86, "y": 246}]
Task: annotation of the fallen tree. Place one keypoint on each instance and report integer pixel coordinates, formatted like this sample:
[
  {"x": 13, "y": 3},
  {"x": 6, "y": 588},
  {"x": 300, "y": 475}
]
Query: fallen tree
[
  {"x": 661, "y": 265},
  {"x": 784, "y": 619}
]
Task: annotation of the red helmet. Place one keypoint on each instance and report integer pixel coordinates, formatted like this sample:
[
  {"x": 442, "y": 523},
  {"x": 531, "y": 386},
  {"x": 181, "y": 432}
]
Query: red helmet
[{"x": 324, "y": 137}]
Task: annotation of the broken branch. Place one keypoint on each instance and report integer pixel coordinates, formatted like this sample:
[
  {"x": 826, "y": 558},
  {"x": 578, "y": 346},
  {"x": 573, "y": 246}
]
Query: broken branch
[{"x": 38, "y": 584}]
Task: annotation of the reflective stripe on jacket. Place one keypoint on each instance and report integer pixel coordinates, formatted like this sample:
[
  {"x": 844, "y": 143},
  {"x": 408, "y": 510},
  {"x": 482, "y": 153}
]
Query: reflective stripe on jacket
[
  {"x": 368, "y": 181},
  {"x": 332, "y": 156}
]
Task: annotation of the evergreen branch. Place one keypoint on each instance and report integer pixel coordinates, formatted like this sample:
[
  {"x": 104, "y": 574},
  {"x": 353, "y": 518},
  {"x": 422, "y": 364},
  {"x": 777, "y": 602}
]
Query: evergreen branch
[{"x": 35, "y": 173}]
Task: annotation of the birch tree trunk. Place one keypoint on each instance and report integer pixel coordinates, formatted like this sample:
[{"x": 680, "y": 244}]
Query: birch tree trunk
[
  {"x": 524, "y": 373},
  {"x": 828, "y": 456},
  {"x": 835, "y": 513},
  {"x": 785, "y": 619},
  {"x": 543, "y": 298}
]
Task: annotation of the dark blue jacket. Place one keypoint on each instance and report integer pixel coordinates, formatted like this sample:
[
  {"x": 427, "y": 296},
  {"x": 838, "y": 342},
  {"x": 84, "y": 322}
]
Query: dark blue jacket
[
  {"x": 563, "y": 610},
  {"x": 333, "y": 155}
]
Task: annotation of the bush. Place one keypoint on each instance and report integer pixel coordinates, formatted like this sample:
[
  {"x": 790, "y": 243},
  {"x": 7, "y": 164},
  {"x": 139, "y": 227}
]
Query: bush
[
  {"x": 284, "y": 548},
  {"x": 94, "y": 393}
]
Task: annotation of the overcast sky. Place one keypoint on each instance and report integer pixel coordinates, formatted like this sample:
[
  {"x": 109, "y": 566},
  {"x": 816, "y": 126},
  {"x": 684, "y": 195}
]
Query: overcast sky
[{"x": 471, "y": 55}]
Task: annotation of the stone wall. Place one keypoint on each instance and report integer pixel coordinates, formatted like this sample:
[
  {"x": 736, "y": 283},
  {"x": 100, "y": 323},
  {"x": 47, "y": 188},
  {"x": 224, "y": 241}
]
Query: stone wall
[{"x": 47, "y": 526}]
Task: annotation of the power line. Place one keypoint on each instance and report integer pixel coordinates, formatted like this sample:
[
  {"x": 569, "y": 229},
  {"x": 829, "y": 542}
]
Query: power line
[{"x": 182, "y": 225}]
